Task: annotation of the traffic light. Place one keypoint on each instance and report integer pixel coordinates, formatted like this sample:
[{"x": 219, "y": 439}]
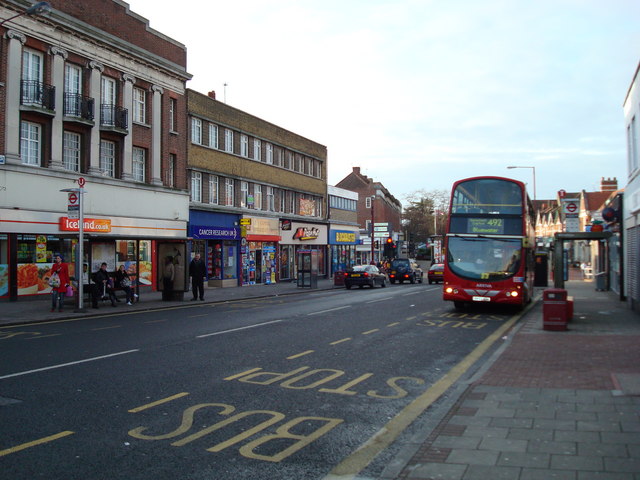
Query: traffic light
[
  {"x": 389, "y": 248},
  {"x": 377, "y": 244}
]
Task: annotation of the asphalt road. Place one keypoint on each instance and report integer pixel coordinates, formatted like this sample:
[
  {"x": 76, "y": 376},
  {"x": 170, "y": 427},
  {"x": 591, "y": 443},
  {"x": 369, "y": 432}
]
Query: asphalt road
[{"x": 288, "y": 387}]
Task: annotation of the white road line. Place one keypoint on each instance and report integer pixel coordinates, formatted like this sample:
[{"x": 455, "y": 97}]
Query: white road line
[
  {"x": 67, "y": 364},
  {"x": 379, "y": 300},
  {"x": 237, "y": 329},
  {"x": 330, "y": 310},
  {"x": 411, "y": 293}
]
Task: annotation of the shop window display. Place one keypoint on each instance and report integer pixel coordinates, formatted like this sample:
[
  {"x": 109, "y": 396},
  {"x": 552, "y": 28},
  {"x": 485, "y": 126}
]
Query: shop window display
[{"x": 35, "y": 259}]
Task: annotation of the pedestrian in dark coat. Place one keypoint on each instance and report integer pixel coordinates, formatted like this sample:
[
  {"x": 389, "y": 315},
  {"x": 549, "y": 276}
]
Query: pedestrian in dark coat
[{"x": 197, "y": 271}]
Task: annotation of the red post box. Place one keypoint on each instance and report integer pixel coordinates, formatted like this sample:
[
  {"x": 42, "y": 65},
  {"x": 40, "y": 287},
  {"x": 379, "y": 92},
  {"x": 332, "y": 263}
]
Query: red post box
[{"x": 555, "y": 309}]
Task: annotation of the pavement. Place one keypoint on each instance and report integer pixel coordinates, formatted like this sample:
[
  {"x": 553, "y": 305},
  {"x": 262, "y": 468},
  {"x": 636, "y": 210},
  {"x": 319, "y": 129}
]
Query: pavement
[{"x": 547, "y": 405}]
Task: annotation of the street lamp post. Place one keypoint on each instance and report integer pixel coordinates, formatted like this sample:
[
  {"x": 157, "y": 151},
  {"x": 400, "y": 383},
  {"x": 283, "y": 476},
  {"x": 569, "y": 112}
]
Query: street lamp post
[
  {"x": 534, "y": 177},
  {"x": 39, "y": 8}
]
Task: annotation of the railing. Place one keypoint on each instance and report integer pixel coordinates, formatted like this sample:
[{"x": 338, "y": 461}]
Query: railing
[
  {"x": 37, "y": 94},
  {"x": 77, "y": 105},
  {"x": 114, "y": 116}
]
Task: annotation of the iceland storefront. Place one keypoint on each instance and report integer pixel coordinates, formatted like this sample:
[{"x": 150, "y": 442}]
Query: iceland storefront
[{"x": 216, "y": 237}]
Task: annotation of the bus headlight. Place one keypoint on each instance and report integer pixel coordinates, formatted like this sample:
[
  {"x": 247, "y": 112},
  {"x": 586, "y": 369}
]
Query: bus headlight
[
  {"x": 451, "y": 290},
  {"x": 512, "y": 294}
]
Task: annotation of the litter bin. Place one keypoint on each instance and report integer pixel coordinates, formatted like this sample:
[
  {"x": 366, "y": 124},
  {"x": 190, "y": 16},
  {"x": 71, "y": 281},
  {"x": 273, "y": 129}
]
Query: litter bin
[
  {"x": 601, "y": 281},
  {"x": 555, "y": 309},
  {"x": 338, "y": 278}
]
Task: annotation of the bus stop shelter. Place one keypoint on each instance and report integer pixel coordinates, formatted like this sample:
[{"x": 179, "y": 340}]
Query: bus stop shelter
[{"x": 559, "y": 264}]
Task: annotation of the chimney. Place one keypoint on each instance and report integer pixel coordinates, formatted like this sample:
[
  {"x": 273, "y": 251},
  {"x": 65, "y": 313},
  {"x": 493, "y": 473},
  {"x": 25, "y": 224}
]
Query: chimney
[
  {"x": 609, "y": 185},
  {"x": 212, "y": 94},
  {"x": 356, "y": 170}
]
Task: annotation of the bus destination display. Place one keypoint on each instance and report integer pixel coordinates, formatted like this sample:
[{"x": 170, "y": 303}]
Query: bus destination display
[{"x": 486, "y": 226}]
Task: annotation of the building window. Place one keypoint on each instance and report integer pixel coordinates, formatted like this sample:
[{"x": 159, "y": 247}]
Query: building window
[
  {"x": 282, "y": 204},
  {"x": 271, "y": 202},
  {"x": 108, "y": 158},
  {"x": 269, "y": 154},
  {"x": 291, "y": 203},
  {"x": 278, "y": 159},
  {"x": 288, "y": 162},
  {"x": 71, "y": 151},
  {"x": 213, "y": 189},
  {"x": 257, "y": 197},
  {"x": 244, "y": 145},
  {"x": 257, "y": 150},
  {"x": 229, "y": 192},
  {"x": 30, "y": 143},
  {"x": 139, "y": 105},
  {"x": 244, "y": 194},
  {"x": 213, "y": 135},
  {"x": 173, "y": 114},
  {"x": 32, "y": 73},
  {"x": 139, "y": 164},
  {"x": 196, "y": 131},
  {"x": 632, "y": 147},
  {"x": 108, "y": 101},
  {"x": 228, "y": 140},
  {"x": 196, "y": 186},
  {"x": 171, "y": 165},
  {"x": 72, "y": 90}
]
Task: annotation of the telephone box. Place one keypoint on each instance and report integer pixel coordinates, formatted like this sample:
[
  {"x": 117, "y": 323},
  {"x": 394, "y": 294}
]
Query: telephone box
[{"x": 307, "y": 268}]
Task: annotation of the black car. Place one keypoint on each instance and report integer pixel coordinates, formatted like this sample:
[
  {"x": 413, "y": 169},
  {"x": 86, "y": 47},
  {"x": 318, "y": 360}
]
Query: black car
[
  {"x": 362, "y": 275},
  {"x": 405, "y": 269}
]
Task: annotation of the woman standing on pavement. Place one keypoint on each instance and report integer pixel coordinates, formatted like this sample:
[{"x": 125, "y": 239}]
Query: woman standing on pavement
[{"x": 59, "y": 281}]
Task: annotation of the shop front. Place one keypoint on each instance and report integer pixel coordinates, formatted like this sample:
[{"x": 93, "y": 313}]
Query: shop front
[
  {"x": 217, "y": 238},
  {"x": 301, "y": 236},
  {"x": 30, "y": 239},
  {"x": 259, "y": 250},
  {"x": 342, "y": 248}
]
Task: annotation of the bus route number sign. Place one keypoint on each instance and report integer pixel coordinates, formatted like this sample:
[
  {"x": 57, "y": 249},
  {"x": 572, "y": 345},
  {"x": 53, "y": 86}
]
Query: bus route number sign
[{"x": 486, "y": 226}]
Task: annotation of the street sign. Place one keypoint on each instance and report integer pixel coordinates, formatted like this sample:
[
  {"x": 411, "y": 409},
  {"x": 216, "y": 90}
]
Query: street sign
[
  {"x": 73, "y": 199},
  {"x": 81, "y": 182},
  {"x": 571, "y": 208},
  {"x": 245, "y": 221}
]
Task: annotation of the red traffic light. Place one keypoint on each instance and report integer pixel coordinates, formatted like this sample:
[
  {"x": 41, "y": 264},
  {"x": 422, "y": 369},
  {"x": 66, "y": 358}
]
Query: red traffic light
[{"x": 389, "y": 241}]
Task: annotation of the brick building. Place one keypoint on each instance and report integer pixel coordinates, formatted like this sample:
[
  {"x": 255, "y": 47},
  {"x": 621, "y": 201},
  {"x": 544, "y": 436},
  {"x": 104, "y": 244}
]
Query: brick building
[
  {"x": 375, "y": 203},
  {"x": 89, "y": 91},
  {"x": 258, "y": 194}
]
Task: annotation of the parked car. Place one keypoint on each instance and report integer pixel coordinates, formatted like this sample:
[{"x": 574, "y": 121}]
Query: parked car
[
  {"x": 362, "y": 275},
  {"x": 405, "y": 269},
  {"x": 436, "y": 273}
]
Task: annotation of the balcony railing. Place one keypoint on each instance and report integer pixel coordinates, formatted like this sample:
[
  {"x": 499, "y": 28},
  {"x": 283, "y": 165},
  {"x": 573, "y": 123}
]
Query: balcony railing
[
  {"x": 37, "y": 94},
  {"x": 114, "y": 116},
  {"x": 79, "y": 106}
]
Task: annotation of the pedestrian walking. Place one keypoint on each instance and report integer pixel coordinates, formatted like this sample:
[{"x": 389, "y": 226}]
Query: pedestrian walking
[
  {"x": 197, "y": 271},
  {"x": 168, "y": 276},
  {"x": 59, "y": 281}
]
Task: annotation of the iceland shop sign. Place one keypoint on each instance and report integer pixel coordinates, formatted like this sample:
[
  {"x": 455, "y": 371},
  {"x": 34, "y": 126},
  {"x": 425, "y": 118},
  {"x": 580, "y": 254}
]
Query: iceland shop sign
[{"x": 218, "y": 233}]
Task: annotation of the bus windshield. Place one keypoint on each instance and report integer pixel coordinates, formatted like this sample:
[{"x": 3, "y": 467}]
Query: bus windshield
[
  {"x": 483, "y": 258},
  {"x": 487, "y": 196}
]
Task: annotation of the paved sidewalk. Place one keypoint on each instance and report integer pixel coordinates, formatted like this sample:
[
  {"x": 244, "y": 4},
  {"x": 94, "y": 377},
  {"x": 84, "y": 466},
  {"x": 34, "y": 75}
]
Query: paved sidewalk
[{"x": 552, "y": 405}]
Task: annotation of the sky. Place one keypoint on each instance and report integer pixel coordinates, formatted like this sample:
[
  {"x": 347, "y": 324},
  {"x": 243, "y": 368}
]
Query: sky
[{"x": 421, "y": 93}]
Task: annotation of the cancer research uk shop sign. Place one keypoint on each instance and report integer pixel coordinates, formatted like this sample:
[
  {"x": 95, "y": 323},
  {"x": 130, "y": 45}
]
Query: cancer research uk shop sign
[{"x": 219, "y": 233}]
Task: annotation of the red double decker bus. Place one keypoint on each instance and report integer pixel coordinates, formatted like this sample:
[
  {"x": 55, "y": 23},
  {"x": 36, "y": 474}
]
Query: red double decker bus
[{"x": 489, "y": 243}]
